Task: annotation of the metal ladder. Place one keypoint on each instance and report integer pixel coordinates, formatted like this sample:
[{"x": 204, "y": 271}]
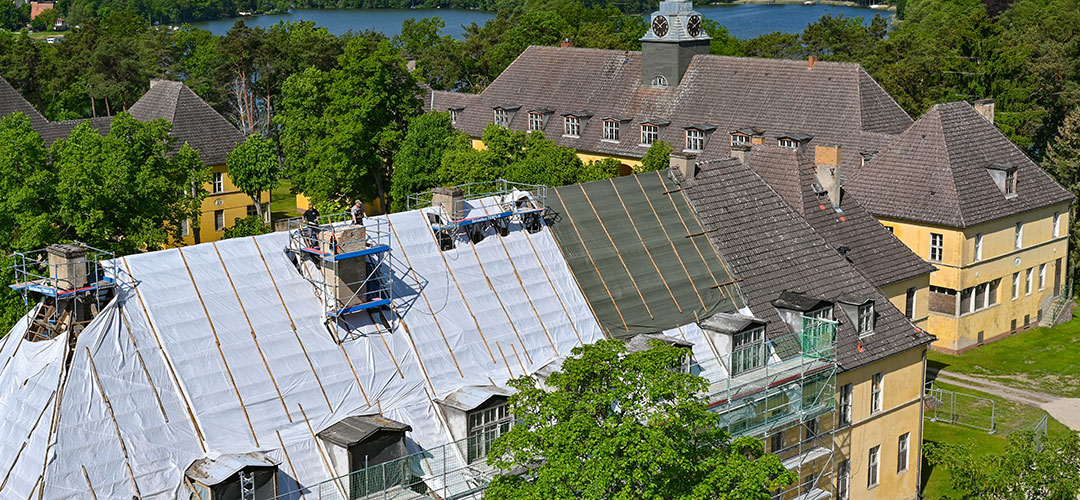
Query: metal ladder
[{"x": 247, "y": 485}]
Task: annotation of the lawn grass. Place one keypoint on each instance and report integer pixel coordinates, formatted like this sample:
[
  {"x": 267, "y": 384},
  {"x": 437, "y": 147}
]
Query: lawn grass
[
  {"x": 283, "y": 202},
  {"x": 1009, "y": 417},
  {"x": 1041, "y": 359}
]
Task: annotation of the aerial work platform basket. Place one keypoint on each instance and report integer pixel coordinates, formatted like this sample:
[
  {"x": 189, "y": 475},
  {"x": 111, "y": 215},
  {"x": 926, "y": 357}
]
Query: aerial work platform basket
[
  {"x": 471, "y": 209},
  {"x": 349, "y": 263}
]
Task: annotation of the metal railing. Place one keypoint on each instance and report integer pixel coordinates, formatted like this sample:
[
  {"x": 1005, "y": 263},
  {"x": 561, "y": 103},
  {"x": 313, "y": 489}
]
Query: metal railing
[
  {"x": 960, "y": 409},
  {"x": 498, "y": 188},
  {"x": 351, "y": 263},
  {"x": 33, "y": 273},
  {"x": 439, "y": 472},
  {"x": 799, "y": 385}
]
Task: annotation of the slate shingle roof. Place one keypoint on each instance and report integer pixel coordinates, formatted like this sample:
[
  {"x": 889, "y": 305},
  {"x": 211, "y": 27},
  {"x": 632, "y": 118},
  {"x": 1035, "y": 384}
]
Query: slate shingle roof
[
  {"x": 193, "y": 120},
  {"x": 874, "y": 251},
  {"x": 837, "y": 103},
  {"x": 935, "y": 172},
  {"x": 773, "y": 249}
]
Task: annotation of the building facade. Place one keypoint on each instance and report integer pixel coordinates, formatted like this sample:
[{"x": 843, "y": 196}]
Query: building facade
[
  {"x": 193, "y": 122},
  {"x": 964, "y": 198}
]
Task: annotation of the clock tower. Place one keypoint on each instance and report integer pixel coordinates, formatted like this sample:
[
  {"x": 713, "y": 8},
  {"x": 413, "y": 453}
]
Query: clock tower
[{"x": 675, "y": 36}]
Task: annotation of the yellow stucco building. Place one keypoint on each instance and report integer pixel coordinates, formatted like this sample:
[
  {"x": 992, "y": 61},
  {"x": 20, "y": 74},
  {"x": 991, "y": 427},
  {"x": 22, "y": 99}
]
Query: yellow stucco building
[
  {"x": 194, "y": 122},
  {"x": 964, "y": 198}
]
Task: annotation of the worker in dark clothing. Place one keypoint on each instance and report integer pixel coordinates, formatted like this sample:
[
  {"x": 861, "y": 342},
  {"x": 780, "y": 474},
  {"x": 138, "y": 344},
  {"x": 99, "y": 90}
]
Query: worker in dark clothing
[
  {"x": 358, "y": 213},
  {"x": 311, "y": 218}
]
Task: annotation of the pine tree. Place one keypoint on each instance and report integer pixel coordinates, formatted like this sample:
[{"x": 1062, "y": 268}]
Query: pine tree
[{"x": 1062, "y": 162}]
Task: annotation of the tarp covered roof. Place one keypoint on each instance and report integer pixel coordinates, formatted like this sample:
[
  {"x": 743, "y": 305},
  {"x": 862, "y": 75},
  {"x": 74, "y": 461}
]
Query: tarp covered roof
[{"x": 640, "y": 254}]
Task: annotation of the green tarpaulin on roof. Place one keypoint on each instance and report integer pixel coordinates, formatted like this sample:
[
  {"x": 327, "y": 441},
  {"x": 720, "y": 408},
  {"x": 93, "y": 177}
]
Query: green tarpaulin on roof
[{"x": 628, "y": 242}]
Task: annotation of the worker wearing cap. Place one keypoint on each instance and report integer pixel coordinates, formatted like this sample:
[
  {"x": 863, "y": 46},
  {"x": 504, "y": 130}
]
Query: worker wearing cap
[{"x": 358, "y": 213}]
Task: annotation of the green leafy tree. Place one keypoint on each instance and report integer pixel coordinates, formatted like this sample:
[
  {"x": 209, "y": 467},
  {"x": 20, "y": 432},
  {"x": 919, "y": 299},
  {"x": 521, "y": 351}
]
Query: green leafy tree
[
  {"x": 251, "y": 225},
  {"x": 621, "y": 425},
  {"x": 775, "y": 45},
  {"x": 1029, "y": 468},
  {"x": 340, "y": 129},
  {"x": 416, "y": 163},
  {"x": 1062, "y": 162},
  {"x": 127, "y": 191},
  {"x": 26, "y": 187},
  {"x": 254, "y": 168},
  {"x": 658, "y": 157}
]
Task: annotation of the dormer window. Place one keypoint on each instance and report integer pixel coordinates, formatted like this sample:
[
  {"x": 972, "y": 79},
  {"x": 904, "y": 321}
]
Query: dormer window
[
  {"x": 788, "y": 143},
  {"x": 748, "y": 350},
  {"x": 611, "y": 130},
  {"x": 649, "y": 134},
  {"x": 485, "y": 426},
  {"x": 793, "y": 141},
  {"x": 866, "y": 319},
  {"x": 740, "y": 139},
  {"x": 536, "y": 121},
  {"x": 571, "y": 126},
  {"x": 453, "y": 116},
  {"x": 501, "y": 117},
  {"x": 659, "y": 82},
  {"x": 1005, "y": 178},
  {"x": 695, "y": 140}
]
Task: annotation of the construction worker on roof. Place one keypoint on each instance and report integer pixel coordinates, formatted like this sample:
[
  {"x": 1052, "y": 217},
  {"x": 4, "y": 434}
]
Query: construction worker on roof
[{"x": 358, "y": 213}]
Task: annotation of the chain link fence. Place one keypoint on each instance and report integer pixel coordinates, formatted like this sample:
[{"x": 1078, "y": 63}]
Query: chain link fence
[{"x": 960, "y": 409}]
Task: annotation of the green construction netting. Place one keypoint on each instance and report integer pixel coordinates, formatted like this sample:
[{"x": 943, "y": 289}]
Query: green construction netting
[{"x": 627, "y": 243}]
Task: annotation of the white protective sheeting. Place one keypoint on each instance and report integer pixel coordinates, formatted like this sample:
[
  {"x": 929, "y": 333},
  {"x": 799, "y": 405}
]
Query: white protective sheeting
[{"x": 221, "y": 348}]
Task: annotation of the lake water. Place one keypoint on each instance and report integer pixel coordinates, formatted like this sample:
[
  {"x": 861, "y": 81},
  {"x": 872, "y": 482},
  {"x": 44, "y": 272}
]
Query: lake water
[{"x": 743, "y": 20}]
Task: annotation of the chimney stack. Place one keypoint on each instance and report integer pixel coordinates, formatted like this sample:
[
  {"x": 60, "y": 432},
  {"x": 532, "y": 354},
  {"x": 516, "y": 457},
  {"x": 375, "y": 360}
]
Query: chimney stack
[
  {"x": 827, "y": 170},
  {"x": 451, "y": 200},
  {"x": 566, "y": 43},
  {"x": 985, "y": 107},
  {"x": 685, "y": 165},
  {"x": 810, "y": 62},
  {"x": 67, "y": 266}
]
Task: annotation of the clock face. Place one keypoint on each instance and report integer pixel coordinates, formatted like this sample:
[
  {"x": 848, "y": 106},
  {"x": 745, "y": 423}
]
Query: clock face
[
  {"x": 693, "y": 26},
  {"x": 660, "y": 26}
]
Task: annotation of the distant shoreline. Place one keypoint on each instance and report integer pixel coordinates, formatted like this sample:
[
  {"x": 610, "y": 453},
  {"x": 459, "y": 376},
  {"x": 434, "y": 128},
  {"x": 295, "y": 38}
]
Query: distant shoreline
[{"x": 839, "y": 3}]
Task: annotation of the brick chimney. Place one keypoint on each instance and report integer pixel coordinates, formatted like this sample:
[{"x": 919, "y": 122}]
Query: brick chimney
[
  {"x": 566, "y": 43},
  {"x": 985, "y": 107},
  {"x": 67, "y": 266},
  {"x": 451, "y": 200},
  {"x": 684, "y": 164},
  {"x": 810, "y": 62},
  {"x": 827, "y": 170}
]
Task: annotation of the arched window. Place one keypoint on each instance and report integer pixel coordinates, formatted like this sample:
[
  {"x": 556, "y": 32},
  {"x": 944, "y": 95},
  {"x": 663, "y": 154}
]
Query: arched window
[{"x": 659, "y": 81}]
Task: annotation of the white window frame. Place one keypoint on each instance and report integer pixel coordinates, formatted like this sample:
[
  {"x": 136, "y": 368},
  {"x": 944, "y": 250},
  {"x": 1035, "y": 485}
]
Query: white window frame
[
  {"x": 825, "y": 313},
  {"x": 876, "y": 391},
  {"x": 453, "y": 116},
  {"x": 185, "y": 227},
  {"x": 739, "y": 139},
  {"x": 902, "y": 452},
  {"x": 937, "y": 247},
  {"x": 218, "y": 183},
  {"x": 866, "y": 319},
  {"x": 536, "y": 121},
  {"x": 649, "y": 134},
  {"x": 978, "y": 247},
  {"x": 660, "y": 82},
  {"x": 873, "y": 467},
  {"x": 1042, "y": 276},
  {"x": 847, "y": 394},
  {"x": 500, "y": 117},
  {"x": 843, "y": 480},
  {"x": 611, "y": 131},
  {"x": 1016, "y": 286},
  {"x": 748, "y": 350},
  {"x": 911, "y": 305},
  {"x": 484, "y": 426},
  {"x": 1018, "y": 243},
  {"x": 695, "y": 140},
  {"x": 1057, "y": 224},
  {"x": 1028, "y": 279},
  {"x": 788, "y": 143},
  {"x": 571, "y": 126},
  {"x": 1010, "y": 182},
  {"x": 219, "y": 220}
]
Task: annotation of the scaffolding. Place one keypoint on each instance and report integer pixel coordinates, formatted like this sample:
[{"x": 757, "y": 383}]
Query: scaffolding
[
  {"x": 349, "y": 263},
  {"x": 73, "y": 281},
  {"x": 491, "y": 205},
  {"x": 792, "y": 394}
]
